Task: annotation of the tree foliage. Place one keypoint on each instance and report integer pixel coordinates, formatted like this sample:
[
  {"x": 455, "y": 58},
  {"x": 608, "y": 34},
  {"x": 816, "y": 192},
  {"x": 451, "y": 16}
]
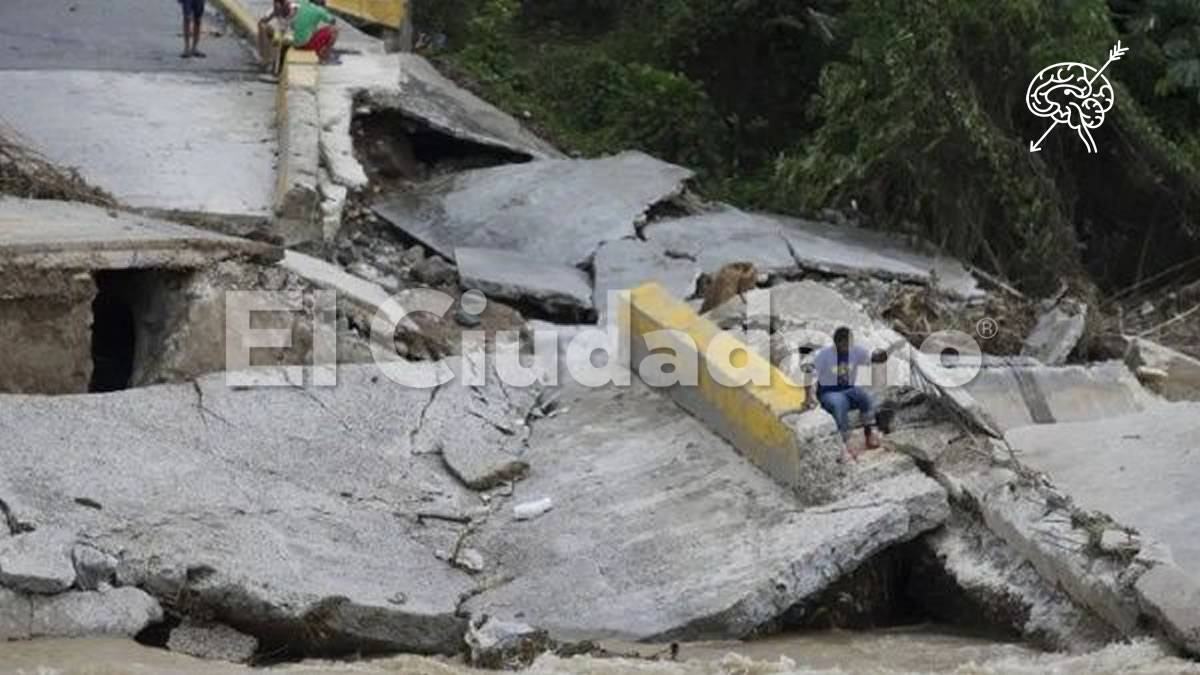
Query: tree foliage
[{"x": 911, "y": 112}]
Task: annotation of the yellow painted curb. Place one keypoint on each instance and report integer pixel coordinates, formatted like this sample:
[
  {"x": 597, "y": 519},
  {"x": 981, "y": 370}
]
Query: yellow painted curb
[
  {"x": 749, "y": 415},
  {"x": 240, "y": 15},
  {"x": 389, "y": 13}
]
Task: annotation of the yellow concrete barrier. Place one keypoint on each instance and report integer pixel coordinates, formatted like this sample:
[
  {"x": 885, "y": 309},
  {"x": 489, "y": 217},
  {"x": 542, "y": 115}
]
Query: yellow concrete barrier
[
  {"x": 389, "y": 13},
  {"x": 241, "y": 16},
  {"x": 750, "y": 416}
]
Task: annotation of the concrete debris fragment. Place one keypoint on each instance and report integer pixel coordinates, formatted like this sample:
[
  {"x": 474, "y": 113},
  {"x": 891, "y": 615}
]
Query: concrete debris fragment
[
  {"x": 628, "y": 263},
  {"x": 554, "y": 289},
  {"x": 1057, "y": 333},
  {"x": 496, "y": 644},
  {"x": 777, "y": 242},
  {"x": 533, "y": 509},
  {"x": 117, "y": 611},
  {"x": 38, "y": 561},
  {"x": 95, "y": 570},
  {"x": 212, "y": 641},
  {"x": 1119, "y": 541},
  {"x": 1170, "y": 373}
]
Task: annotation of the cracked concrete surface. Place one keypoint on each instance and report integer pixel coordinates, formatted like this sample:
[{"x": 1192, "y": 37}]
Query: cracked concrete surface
[{"x": 556, "y": 211}]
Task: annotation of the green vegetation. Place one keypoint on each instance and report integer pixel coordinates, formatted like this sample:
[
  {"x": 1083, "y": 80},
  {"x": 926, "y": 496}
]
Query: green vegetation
[{"x": 913, "y": 113}]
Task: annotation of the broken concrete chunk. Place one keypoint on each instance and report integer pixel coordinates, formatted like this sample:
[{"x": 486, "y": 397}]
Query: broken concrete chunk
[
  {"x": 1172, "y": 598},
  {"x": 212, "y": 641},
  {"x": 470, "y": 559},
  {"x": 777, "y": 242},
  {"x": 95, "y": 570},
  {"x": 1173, "y": 374},
  {"x": 38, "y": 561},
  {"x": 788, "y": 307},
  {"x": 16, "y": 613},
  {"x": 1056, "y": 333},
  {"x": 118, "y": 611},
  {"x": 555, "y": 211},
  {"x": 625, "y": 264},
  {"x": 1119, "y": 541},
  {"x": 434, "y": 271},
  {"x": 497, "y": 644},
  {"x": 553, "y": 288},
  {"x": 531, "y": 510},
  {"x": 481, "y": 466}
]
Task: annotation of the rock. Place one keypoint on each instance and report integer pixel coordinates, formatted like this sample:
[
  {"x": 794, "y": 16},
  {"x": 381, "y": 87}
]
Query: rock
[
  {"x": 434, "y": 271},
  {"x": 470, "y": 560},
  {"x": 365, "y": 271},
  {"x": 555, "y": 289},
  {"x": 1172, "y": 598},
  {"x": 625, "y": 264},
  {"x": 554, "y": 211},
  {"x": 117, "y": 611},
  {"x": 1119, "y": 541},
  {"x": 1173, "y": 374},
  {"x": 413, "y": 255},
  {"x": 16, "y": 614},
  {"x": 509, "y": 645},
  {"x": 38, "y": 561},
  {"x": 212, "y": 641},
  {"x": 1056, "y": 333},
  {"x": 95, "y": 570}
]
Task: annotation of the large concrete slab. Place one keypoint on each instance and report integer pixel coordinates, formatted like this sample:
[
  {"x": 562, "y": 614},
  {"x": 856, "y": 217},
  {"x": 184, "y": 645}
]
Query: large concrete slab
[
  {"x": 68, "y": 235},
  {"x": 512, "y": 276},
  {"x": 660, "y": 530},
  {"x": 165, "y": 142},
  {"x": 131, "y": 35},
  {"x": 1018, "y": 395},
  {"x": 1141, "y": 469},
  {"x": 772, "y": 242},
  {"x": 260, "y": 505},
  {"x": 552, "y": 210},
  {"x": 409, "y": 83},
  {"x": 625, "y": 264}
]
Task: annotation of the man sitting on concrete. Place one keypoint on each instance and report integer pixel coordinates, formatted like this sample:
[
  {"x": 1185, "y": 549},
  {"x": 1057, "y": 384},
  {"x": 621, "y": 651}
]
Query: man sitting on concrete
[
  {"x": 837, "y": 367},
  {"x": 274, "y": 26},
  {"x": 313, "y": 29}
]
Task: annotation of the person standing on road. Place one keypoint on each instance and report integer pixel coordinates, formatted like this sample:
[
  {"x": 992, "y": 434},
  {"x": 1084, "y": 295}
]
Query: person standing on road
[
  {"x": 837, "y": 368},
  {"x": 193, "y": 12},
  {"x": 313, "y": 29}
]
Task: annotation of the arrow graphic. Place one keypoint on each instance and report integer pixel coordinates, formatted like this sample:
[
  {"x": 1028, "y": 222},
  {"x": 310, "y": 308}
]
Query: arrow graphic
[{"x": 1114, "y": 54}]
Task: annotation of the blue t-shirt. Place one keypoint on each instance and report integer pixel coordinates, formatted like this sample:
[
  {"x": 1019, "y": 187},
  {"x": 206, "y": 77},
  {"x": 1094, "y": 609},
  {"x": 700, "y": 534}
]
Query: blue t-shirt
[{"x": 838, "y": 372}]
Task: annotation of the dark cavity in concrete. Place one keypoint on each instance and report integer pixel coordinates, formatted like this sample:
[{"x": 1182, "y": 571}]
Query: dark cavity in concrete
[
  {"x": 396, "y": 149},
  {"x": 114, "y": 332},
  {"x": 901, "y": 586}
]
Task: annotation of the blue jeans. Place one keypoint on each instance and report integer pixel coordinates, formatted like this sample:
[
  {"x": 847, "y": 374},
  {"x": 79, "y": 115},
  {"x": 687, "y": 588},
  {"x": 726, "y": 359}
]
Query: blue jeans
[{"x": 840, "y": 403}]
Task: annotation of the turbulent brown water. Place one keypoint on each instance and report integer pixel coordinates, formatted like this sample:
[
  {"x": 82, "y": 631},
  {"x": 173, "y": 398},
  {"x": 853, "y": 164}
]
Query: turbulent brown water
[{"x": 880, "y": 652}]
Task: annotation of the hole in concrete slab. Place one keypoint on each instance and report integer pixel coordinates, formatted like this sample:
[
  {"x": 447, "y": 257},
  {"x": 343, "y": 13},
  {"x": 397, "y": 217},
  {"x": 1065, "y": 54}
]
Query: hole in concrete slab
[
  {"x": 114, "y": 333},
  {"x": 897, "y": 587},
  {"x": 395, "y": 148}
]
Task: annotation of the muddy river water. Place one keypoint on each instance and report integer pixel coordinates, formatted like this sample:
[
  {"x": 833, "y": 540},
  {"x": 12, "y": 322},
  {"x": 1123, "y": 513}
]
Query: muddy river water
[{"x": 911, "y": 650}]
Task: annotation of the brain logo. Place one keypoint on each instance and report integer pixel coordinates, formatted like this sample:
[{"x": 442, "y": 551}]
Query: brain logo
[{"x": 1074, "y": 94}]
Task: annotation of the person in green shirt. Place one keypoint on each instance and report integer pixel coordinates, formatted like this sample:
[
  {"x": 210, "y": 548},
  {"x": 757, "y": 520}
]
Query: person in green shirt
[{"x": 313, "y": 29}]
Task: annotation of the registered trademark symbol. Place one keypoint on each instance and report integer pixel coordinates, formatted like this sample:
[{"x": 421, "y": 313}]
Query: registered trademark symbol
[{"x": 987, "y": 328}]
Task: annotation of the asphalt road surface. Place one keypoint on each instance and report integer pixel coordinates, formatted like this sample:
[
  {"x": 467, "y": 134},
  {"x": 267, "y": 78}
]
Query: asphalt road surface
[{"x": 125, "y": 35}]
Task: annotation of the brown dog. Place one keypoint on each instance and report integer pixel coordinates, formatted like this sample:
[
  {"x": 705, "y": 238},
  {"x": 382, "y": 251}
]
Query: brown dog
[{"x": 732, "y": 280}]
